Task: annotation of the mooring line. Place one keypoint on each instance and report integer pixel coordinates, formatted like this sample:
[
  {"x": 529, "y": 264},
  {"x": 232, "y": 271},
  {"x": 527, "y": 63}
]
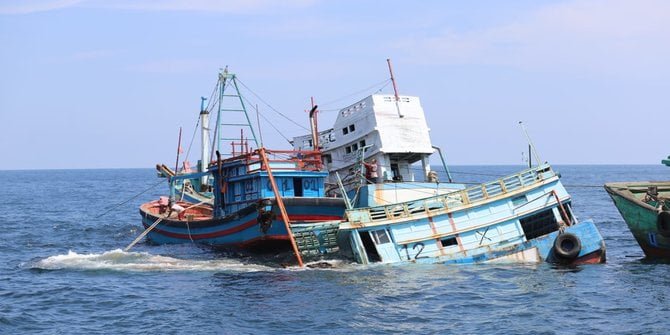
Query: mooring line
[
  {"x": 144, "y": 233},
  {"x": 135, "y": 196}
]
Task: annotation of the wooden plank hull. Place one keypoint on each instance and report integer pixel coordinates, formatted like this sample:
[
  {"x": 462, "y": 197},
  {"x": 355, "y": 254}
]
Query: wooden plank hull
[
  {"x": 641, "y": 217},
  {"x": 250, "y": 227}
]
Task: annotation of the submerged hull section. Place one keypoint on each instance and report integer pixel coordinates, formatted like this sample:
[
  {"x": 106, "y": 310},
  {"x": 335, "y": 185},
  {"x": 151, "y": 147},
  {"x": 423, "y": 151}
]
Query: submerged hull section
[
  {"x": 520, "y": 218},
  {"x": 251, "y": 227},
  {"x": 646, "y": 220}
]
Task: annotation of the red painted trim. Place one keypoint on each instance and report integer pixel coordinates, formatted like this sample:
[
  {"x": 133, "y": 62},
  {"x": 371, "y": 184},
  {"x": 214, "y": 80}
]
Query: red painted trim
[
  {"x": 241, "y": 227},
  {"x": 229, "y": 231},
  {"x": 595, "y": 257}
]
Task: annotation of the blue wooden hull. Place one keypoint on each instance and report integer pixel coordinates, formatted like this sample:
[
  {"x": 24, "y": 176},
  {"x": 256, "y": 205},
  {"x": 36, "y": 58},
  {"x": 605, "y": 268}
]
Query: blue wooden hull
[
  {"x": 246, "y": 228},
  {"x": 515, "y": 219},
  {"x": 592, "y": 249}
]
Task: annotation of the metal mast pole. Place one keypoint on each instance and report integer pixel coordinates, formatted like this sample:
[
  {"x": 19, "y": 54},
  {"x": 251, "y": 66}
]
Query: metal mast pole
[
  {"x": 204, "y": 141},
  {"x": 395, "y": 88}
]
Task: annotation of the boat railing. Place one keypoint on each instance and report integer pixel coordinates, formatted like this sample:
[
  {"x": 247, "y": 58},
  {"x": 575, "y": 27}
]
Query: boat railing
[
  {"x": 453, "y": 200},
  {"x": 283, "y": 160}
]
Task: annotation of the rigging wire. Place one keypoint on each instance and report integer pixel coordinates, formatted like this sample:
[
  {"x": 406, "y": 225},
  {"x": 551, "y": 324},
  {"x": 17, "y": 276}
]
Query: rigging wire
[
  {"x": 272, "y": 108},
  {"x": 131, "y": 198},
  {"x": 268, "y": 121},
  {"x": 195, "y": 131},
  {"x": 385, "y": 81}
]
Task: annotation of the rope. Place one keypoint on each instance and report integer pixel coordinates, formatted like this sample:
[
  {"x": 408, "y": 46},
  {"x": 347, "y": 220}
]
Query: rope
[
  {"x": 272, "y": 108},
  {"x": 153, "y": 225},
  {"x": 144, "y": 233},
  {"x": 135, "y": 196},
  {"x": 268, "y": 121},
  {"x": 385, "y": 81},
  {"x": 275, "y": 128}
]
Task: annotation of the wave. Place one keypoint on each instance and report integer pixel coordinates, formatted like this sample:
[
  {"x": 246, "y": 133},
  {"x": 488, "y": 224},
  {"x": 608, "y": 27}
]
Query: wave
[{"x": 119, "y": 260}]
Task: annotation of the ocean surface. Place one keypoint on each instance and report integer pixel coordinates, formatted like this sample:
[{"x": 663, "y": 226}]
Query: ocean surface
[{"x": 63, "y": 271}]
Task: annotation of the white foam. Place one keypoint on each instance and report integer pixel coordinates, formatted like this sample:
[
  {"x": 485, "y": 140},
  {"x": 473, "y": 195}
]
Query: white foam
[{"x": 120, "y": 260}]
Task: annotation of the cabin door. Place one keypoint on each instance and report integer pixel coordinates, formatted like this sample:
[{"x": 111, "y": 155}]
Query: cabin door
[{"x": 386, "y": 250}]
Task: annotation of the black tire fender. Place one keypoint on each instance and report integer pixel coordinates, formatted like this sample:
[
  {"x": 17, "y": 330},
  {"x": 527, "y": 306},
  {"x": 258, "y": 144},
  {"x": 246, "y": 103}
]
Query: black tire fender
[
  {"x": 663, "y": 223},
  {"x": 567, "y": 246}
]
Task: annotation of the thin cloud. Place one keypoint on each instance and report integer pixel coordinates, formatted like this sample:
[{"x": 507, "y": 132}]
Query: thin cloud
[
  {"x": 596, "y": 36},
  {"x": 93, "y": 55},
  {"x": 33, "y": 6},
  {"x": 221, "y": 6},
  {"x": 230, "y": 6},
  {"x": 175, "y": 66}
]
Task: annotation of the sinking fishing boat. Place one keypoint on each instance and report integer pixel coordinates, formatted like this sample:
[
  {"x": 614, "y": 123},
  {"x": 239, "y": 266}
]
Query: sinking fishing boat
[
  {"x": 525, "y": 217},
  {"x": 399, "y": 211},
  {"x": 258, "y": 195},
  {"x": 256, "y": 198},
  {"x": 645, "y": 207}
]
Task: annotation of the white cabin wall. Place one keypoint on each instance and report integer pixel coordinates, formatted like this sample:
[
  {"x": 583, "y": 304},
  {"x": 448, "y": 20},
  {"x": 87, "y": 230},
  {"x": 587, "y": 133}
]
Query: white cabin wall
[{"x": 409, "y": 133}]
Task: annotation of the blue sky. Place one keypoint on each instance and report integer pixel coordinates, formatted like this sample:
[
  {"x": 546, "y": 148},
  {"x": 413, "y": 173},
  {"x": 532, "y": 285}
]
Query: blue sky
[{"x": 107, "y": 84}]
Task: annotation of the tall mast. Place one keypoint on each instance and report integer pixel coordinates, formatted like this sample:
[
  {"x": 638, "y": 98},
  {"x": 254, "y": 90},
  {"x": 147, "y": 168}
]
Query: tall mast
[
  {"x": 395, "y": 88},
  {"x": 204, "y": 140},
  {"x": 232, "y": 104}
]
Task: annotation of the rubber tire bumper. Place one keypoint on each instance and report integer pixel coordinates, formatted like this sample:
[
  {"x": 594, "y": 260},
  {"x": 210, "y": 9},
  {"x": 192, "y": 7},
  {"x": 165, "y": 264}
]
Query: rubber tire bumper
[{"x": 567, "y": 246}]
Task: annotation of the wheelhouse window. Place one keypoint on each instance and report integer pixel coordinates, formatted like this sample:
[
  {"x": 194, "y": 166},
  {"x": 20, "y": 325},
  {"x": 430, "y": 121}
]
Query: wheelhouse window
[
  {"x": 539, "y": 224},
  {"x": 381, "y": 236},
  {"x": 345, "y": 131},
  {"x": 449, "y": 241},
  {"x": 352, "y": 127}
]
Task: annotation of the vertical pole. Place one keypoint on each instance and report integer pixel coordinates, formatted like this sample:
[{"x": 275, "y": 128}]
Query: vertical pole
[
  {"x": 312, "y": 124},
  {"x": 530, "y": 158},
  {"x": 176, "y": 164},
  {"x": 395, "y": 88},
  {"x": 316, "y": 126},
  {"x": 204, "y": 141},
  {"x": 280, "y": 204},
  {"x": 530, "y": 143},
  {"x": 444, "y": 163}
]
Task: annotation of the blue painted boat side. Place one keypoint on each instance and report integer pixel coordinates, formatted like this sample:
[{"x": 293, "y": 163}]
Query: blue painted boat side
[
  {"x": 586, "y": 231},
  {"x": 245, "y": 226},
  {"x": 512, "y": 223}
]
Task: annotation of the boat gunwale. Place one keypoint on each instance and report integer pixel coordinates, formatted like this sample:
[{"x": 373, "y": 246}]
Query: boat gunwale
[
  {"x": 445, "y": 210},
  {"x": 623, "y": 189}
]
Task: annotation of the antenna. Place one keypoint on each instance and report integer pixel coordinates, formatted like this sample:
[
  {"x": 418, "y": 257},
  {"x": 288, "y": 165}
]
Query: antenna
[{"x": 530, "y": 145}]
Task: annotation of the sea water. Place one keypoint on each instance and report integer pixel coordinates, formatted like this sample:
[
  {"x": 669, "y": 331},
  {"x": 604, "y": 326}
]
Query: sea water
[{"x": 63, "y": 271}]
